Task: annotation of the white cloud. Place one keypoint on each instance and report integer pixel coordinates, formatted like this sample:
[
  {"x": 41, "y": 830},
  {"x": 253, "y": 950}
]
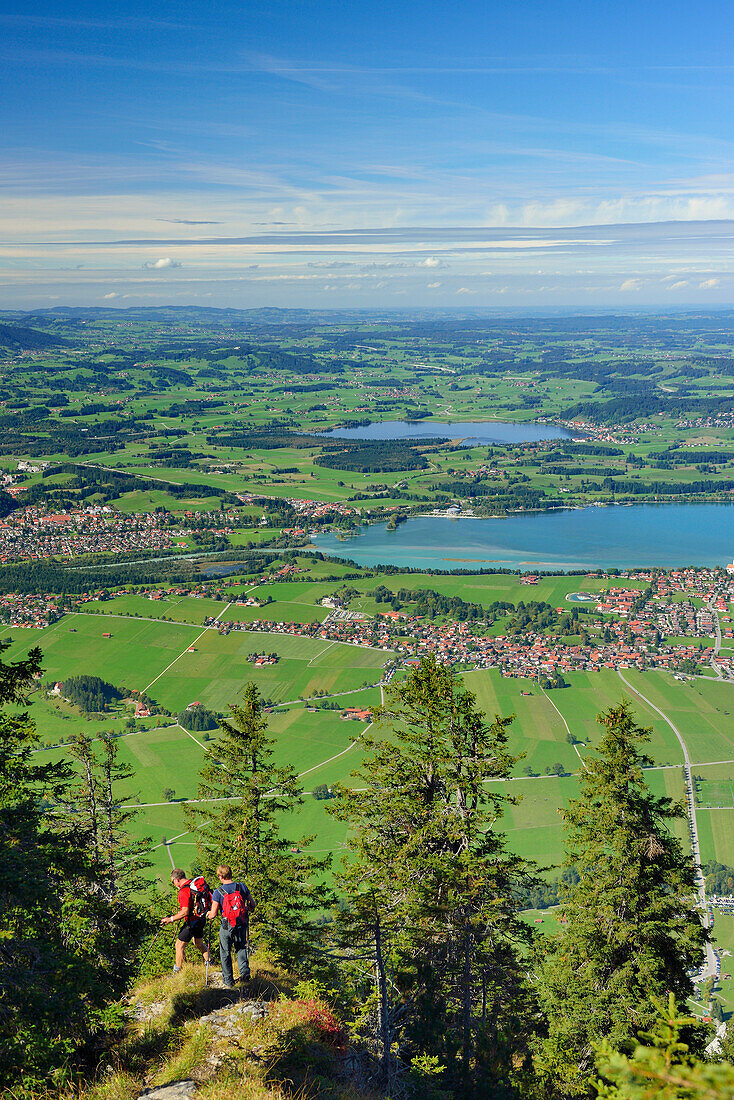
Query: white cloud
[
  {"x": 708, "y": 284},
  {"x": 677, "y": 285},
  {"x": 430, "y": 261},
  {"x": 160, "y": 265},
  {"x": 631, "y": 284},
  {"x": 432, "y": 286},
  {"x": 112, "y": 294},
  {"x": 465, "y": 290}
]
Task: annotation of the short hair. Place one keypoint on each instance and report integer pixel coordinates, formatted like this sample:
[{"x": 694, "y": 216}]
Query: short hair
[
  {"x": 223, "y": 871},
  {"x": 177, "y": 873}
]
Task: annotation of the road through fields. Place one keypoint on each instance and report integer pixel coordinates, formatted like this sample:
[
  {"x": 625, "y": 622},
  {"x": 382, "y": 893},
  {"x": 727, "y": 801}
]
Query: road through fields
[
  {"x": 186, "y": 650},
  {"x": 711, "y": 966}
]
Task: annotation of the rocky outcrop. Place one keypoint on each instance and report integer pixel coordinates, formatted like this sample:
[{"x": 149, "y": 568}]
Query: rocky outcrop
[{"x": 178, "y": 1090}]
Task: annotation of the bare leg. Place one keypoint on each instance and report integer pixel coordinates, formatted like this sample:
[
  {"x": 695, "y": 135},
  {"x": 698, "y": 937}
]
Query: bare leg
[
  {"x": 180, "y": 953},
  {"x": 200, "y": 946}
]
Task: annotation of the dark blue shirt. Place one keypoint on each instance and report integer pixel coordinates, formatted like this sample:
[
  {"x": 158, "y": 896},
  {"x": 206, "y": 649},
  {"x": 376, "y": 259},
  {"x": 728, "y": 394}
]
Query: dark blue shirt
[{"x": 230, "y": 888}]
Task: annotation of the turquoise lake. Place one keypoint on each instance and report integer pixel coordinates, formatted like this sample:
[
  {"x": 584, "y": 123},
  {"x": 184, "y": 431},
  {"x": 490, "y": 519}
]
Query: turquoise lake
[
  {"x": 587, "y": 538},
  {"x": 471, "y": 432}
]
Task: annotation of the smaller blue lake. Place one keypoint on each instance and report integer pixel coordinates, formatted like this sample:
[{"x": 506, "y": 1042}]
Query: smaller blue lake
[
  {"x": 471, "y": 432},
  {"x": 667, "y": 535}
]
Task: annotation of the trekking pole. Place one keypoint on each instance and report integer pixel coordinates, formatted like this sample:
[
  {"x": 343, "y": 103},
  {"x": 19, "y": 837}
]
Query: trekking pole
[
  {"x": 208, "y": 955},
  {"x": 145, "y": 957}
]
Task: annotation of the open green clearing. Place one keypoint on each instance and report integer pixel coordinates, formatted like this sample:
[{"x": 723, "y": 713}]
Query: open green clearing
[
  {"x": 713, "y": 793},
  {"x": 703, "y": 712},
  {"x": 179, "y": 664},
  {"x": 319, "y": 742}
]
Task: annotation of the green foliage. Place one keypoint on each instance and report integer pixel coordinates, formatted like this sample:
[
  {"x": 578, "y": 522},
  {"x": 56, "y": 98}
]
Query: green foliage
[
  {"x": 378, "y": 456},
  {"x": 719, "y": 878},
  {"x": 67, "y": 929},
  {"x": 428, "y": 603},
  {"x": 632, "y": 930},
  {"x": 197, "y": 719},
  {"x": 243, "y": 828},
  {"x": 323, "y": 792},
  {"x": 429, "y": 884},
  {"x": 90, "y": 693},
  {"x": 661, "y": 1065}
]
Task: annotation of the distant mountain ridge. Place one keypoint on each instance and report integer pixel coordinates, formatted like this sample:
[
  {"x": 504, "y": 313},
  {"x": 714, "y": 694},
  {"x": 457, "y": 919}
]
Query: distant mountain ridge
[{"x": 20, "y": 338}]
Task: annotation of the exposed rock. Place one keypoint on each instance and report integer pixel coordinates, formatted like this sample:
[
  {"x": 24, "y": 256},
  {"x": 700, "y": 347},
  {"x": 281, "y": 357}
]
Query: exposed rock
[
  {"x": 224, "y": 1022},
  {"x": 178, "y": 1090},
  {"x": 143, "y": 1013}
]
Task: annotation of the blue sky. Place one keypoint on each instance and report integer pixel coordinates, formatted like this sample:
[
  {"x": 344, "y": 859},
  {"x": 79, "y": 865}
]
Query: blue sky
[{"x": 312, "y": 153}]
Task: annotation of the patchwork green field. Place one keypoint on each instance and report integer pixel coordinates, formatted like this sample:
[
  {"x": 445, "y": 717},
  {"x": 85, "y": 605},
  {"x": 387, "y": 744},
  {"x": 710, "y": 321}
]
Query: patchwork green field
[
  {"x": 161, "y": 646},
  {"x": 198, "y": 419},
  {"x": 716, "y": 793},
  {"x": 179, "y": 663}
]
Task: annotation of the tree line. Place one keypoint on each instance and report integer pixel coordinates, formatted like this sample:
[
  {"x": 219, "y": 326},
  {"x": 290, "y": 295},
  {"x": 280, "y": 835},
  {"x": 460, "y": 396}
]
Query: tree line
[
  {"x": 448, "y": 991},
  {"x": 417, "y": 930}
]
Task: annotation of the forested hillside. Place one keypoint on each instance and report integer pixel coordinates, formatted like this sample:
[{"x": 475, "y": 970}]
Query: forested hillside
[{"x": 403, "y": 968}]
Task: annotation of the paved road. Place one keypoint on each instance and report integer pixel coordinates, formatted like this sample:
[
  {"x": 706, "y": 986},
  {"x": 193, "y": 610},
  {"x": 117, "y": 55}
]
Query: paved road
[
  {"x": 711, "y": 965},
  {"x": 717, "y": 641}
]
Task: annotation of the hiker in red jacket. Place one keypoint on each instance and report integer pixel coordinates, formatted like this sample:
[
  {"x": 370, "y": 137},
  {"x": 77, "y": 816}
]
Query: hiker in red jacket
[
  {"x": 236, "y": 903},
  {"x": 194, "y": 899}
]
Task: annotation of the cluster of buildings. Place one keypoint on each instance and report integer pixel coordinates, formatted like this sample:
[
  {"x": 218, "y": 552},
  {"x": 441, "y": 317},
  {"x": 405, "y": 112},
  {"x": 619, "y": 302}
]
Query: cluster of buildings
[
  {"x": 29, "y": 611},
  {"x": 603, "y": 433},
  {"x": 261, "y": 660},
  {"x": 34, "y": 532},
  {"x": 721, "y": 420},
  {"x": 643, "y": 619},
  {"x": 684, "y": 618},
  {"x": 532, "y": 655},
  {"x": 629, "y": 628},
  {"x": 317, "y": 509}
]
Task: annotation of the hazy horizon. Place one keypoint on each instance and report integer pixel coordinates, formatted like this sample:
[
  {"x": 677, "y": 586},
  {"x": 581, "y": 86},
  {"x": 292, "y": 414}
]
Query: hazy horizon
[{"x": 549, "y": 155}]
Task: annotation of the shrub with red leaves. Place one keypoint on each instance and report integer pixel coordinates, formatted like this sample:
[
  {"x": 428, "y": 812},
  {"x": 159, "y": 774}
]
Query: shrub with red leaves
[{"x": 321, "y": 1018}]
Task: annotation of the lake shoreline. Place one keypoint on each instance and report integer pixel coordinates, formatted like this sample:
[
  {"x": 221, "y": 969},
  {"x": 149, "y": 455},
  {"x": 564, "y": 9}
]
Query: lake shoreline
[
  {"x": 588, "y": 537},
  {"x": 472, "y": 433}
]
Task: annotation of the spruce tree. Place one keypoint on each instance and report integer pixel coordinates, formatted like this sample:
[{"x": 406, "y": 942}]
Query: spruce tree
[
  {"x": 430, "y": 883},
  {"x": 60, "y": 966},
  {"x": 105, "y": 911},
  {"x": 244, "y": 798},
  {"x": 661, "y": 1064},
  {"x": 633, "y": 931}
]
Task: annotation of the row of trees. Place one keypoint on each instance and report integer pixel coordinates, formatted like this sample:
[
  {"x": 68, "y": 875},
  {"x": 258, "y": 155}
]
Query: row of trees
[
  {"x": 447, "y": 985},
  {"x": 418, "y": 932},
  {"x": 70, "y": 920}
]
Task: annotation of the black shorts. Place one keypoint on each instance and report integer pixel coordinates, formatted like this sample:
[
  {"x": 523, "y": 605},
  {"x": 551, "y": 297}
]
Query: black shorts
[{"x": 192, "y": 930}]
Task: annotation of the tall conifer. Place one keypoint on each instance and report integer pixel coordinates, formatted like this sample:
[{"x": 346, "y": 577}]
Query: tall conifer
[
  {"x": 633, "y": 930},
  {"x": 65, "y": 950},
  {"x": 428, "y": 872},
  {"x": 245, "y": 798}
]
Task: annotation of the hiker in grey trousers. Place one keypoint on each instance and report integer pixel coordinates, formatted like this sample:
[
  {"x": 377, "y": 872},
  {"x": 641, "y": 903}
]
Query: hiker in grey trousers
[{"x": 235, "y": 902}]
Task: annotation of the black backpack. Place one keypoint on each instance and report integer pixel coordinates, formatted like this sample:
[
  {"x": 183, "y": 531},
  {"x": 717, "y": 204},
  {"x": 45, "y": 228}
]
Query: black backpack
[{"x": 201, "y": 898}]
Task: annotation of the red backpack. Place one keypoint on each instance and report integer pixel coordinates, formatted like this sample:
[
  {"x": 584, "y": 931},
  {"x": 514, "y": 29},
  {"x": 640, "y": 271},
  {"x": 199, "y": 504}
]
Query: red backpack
[
  {"x": 234, "y": 906},
  {"x": 201, "y": 898}
]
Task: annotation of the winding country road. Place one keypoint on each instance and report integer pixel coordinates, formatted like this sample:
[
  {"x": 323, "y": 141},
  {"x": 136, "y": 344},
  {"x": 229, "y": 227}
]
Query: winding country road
[{"x": 711, "y": 966}]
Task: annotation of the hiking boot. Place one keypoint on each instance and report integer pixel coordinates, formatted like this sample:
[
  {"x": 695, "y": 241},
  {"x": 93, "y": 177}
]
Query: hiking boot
[{"x": 245, "y": 976}]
